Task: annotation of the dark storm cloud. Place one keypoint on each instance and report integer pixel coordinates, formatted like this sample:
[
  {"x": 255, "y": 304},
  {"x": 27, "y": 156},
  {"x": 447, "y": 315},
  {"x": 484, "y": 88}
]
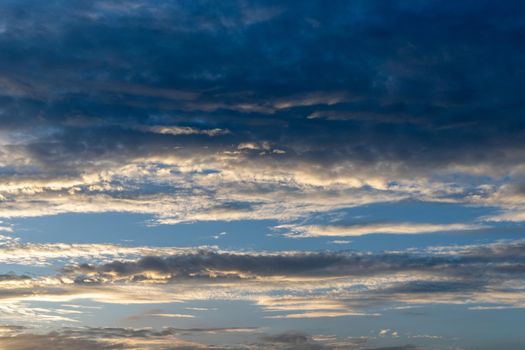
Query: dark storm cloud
[
  {"x": 323, "y": 106},
  {"x": 420, "y": 83}
]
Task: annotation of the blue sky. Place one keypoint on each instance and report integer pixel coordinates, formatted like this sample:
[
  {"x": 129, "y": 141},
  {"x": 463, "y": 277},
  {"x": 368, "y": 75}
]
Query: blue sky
[{"x": 262, "y": 175}]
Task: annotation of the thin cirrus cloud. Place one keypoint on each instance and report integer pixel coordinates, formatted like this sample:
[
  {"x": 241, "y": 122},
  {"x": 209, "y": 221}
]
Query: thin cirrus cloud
[{"x": 296, "y": 231}]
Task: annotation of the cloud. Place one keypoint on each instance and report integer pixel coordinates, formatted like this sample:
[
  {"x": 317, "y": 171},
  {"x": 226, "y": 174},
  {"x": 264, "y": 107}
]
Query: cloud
[
  {"x": 323, "y": 314},
  {"x": 288, "y": 286},
  {"x": 170, "y": 338},
  {"x": 237, "y": 130},
  {"x": 338, "y": 241},
  {"x": 22, "y": 312},
  {"x": 388, "y": 332},
  {"x": 186, "y": 130},
  {"x": 292, "y": 341},
  {"x": 402, "y": 347},
  {"x": 42, "y": 254},
  {"x": 212, "y": 264},
  {"x": 283, "y": 111},
  {"x": 13, "y": 278},
  {"x": 52, "y": 341},
  {"x": 97, "y": 339},
  {"x": 283, "y": 284},
  {"x": 158, "y": 313},
  {"x": 296, "y": 231}
]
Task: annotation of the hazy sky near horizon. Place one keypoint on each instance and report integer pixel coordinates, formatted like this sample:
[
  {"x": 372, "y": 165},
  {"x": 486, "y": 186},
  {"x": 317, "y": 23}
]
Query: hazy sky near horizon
[{"x": 290, "y": 175}]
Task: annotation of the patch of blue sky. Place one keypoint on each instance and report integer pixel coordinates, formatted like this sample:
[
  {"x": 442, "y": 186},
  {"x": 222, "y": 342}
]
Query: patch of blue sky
[{"x": 135, "y": 229}]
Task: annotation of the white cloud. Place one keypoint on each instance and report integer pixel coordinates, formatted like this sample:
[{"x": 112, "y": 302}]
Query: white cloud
[
  {"x": 186, "y": 130},
  {"x": 295, "y": 231}
]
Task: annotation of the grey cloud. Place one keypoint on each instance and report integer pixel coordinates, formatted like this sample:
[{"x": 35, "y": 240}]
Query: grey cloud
[
  {"x": 317, "y": 284},
  {"x": 330, "y": 263},
  {"x": 12, "y": 277},
  {"x": 293, "y": 341},
  {"x": 127, "y": 338},
  {"x": 54, "y": 341},
  {"x": 357, "y": 283}
]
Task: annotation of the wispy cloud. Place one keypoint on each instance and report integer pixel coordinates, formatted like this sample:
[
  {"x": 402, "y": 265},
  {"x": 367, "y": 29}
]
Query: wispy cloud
[{"x": 297, "y": 231}]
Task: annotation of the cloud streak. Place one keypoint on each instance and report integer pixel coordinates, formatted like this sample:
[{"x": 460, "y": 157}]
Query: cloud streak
[{"x": 361, "y": 230}]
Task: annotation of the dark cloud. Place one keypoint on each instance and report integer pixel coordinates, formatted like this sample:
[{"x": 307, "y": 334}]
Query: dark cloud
[
  {"x": 320, "y": 92},
  {"x": 419, "y": 84},
  {"x": 473, "y": 269},
  {"x": 293, "y": 341},
  {"x": 206, "y": 110}
]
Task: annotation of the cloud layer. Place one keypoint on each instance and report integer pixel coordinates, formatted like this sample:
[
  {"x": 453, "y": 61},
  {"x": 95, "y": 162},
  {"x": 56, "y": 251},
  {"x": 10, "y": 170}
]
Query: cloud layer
[
  {"x": 319, "y": 106},
  {"x": 171, "y": 339},
  {"x": 296, "y": 112},
  {"x": 283, "y": 284}
]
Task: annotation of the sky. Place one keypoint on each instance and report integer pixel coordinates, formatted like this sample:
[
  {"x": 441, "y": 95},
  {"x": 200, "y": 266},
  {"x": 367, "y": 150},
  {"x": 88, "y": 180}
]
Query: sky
[{"x": 262, "y": 175}]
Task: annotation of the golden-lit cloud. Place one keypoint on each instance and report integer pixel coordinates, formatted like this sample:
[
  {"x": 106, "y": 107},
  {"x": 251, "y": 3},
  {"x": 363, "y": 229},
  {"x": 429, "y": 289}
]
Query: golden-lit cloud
[{"x": 284, "y": 285}]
